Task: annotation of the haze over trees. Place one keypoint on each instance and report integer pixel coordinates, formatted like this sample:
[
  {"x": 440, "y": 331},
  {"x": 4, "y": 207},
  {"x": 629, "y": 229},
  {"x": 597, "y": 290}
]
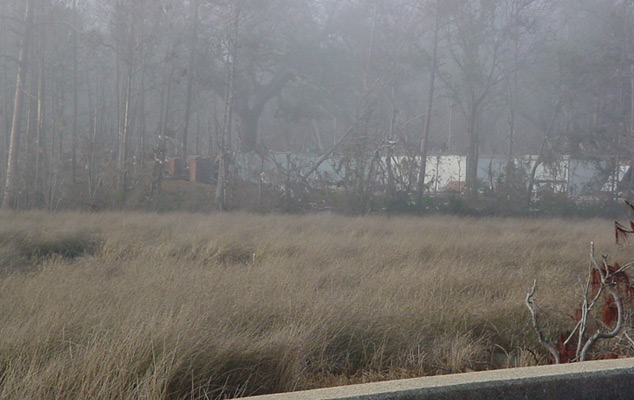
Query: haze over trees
[{"x": 96, "y": 96}]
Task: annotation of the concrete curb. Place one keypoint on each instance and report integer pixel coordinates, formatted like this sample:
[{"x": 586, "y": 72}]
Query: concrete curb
[{"x": 593, "y": 380}]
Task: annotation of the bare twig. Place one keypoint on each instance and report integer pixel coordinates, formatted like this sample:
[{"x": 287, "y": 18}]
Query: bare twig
[
  {"x": 624, "y": 267},
  {"x": 609, "y": 286},
  {"x": 587, "y": 305},
  {"x": 532, "y": 307},
  {"x": 327, "y": 154},
  {"x": 572, "y": 334}
]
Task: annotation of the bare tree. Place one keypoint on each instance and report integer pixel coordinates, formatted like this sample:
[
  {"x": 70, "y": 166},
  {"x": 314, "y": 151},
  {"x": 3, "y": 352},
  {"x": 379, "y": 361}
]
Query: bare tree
[
  {"x": 9, "y": 200},
  {"x": 193, "y": 48},
  {"x": 225, "y": 139},
  {"x": 75, "y": 48},
  {"x": 134, "y": 33},
  {"x": 424, "y": 141},
  {"x": 475, "y": 38}
]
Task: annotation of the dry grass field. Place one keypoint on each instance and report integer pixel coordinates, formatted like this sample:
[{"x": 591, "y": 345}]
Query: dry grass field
[{"x": 144, "y": 306}]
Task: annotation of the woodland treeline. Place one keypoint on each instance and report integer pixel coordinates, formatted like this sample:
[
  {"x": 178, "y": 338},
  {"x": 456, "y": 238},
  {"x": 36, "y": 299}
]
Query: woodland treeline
[{"x": 97, "y": 95}]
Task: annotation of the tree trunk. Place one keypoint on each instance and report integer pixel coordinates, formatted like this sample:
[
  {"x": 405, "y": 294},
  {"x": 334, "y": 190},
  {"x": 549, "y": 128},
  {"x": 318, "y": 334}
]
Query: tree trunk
[
  {"x": 9, "y": 200},
  {"x": 420, "y": 187},
  {"x": 391, "y": 187},
  {"x": 139, "y": 143},
  {"x": 75, "y": 97},
  {"x": 368, "y": 59},
  {"x": 630, "y": 183},
  {"x": 166, "y": 112},
  {"x": 27, "y": 171},
  {"x": 250, "y": 114},
  {"x": 513, "y": 103},
  {"x": 318, "y": 137},
  {"x": 540, "y": 156},
  {"x": 531, "y": 177},
  {"x": 190, "y": 77},
  {"x": 57, "y": 142},
  {"x": 40, "y": 141},
  {"x": 473, "y": 153},
  {"x": 122, "y": 167},
  {"x": 92, "y": 159},
  {"x": 138, "y": 120},
  {"x": 6, "y": 111},
  {"x": 225, "y": 140}
]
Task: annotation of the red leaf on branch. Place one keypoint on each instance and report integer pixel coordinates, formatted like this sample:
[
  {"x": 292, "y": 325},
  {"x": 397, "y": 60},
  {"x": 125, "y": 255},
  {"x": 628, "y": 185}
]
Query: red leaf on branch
[
  {"x": 567, "y": 351},
  {"x": 622, "y": 232},
  {"x": 610, "y": 311}
]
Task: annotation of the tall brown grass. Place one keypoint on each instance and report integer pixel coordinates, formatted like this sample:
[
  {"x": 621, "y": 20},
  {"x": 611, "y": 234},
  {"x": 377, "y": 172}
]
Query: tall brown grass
[{"x": 143, "y": 306}]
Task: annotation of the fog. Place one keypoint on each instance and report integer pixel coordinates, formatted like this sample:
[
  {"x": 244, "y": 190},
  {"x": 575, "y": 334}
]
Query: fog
[{"x": 102, "y": 102}]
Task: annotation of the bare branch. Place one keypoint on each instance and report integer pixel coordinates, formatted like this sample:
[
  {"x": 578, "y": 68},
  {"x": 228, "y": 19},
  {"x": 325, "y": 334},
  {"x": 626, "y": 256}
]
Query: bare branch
[
  {"x": 619, "y": 324},
  {"x": 572, "y": 334},
  {"x": 327, "y": 154},
  {"x": 587, "y": 305},
  {"x": 625, "y": 267},
  {"x": 532, "y": 307},
  {"x": 604, "y": 273}
]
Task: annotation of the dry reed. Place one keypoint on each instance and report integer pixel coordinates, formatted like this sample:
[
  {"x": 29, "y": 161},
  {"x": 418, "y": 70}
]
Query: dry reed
[{"x": 144, "y": 306}]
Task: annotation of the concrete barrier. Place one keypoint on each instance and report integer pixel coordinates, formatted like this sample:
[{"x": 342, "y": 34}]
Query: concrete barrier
[{"x": 593, "y": 380}]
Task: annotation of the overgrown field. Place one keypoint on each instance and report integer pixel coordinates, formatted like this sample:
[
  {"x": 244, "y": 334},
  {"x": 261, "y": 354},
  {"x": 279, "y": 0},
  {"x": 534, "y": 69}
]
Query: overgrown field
[{"x": 143, "y": 306}]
